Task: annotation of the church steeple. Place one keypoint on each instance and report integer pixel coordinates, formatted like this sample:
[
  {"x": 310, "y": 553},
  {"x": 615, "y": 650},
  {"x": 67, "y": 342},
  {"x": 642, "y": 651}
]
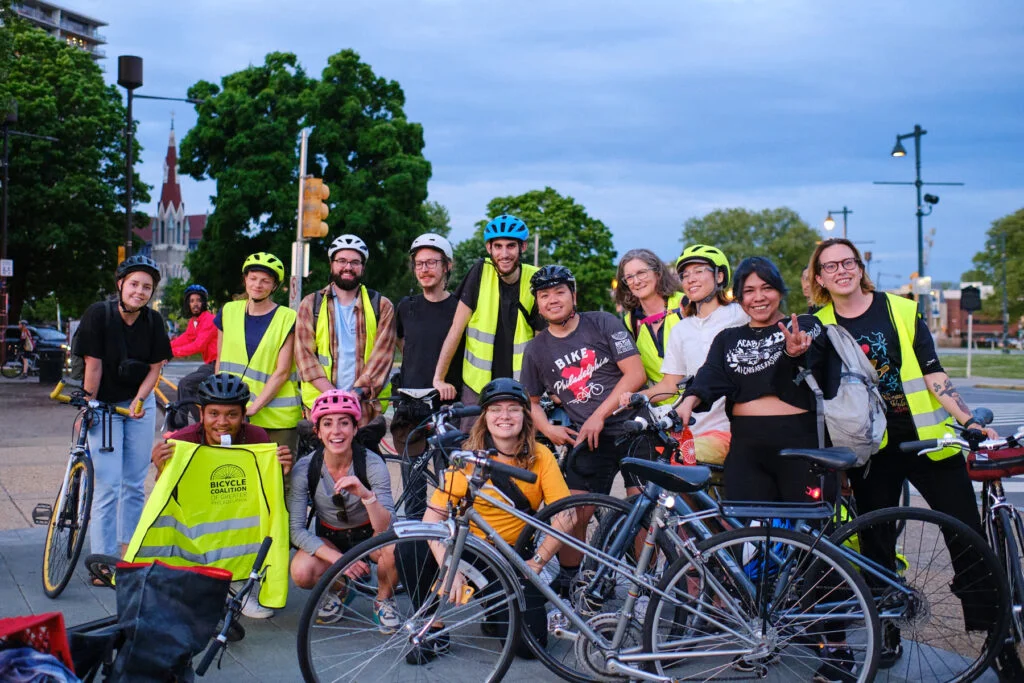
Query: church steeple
[{"x": 170, "y": 193}]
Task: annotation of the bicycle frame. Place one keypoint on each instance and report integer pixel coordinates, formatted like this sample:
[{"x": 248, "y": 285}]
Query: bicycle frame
[{"x": 996, "y": 510}]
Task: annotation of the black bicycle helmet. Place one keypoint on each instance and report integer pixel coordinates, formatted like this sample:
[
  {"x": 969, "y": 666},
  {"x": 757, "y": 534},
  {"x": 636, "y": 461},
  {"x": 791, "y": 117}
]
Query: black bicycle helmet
[
  {"x": 223, "y": 389},
  {"x": 189, "y": 291},
  {"x": 503, "y": 389},
  {"x": 135, "y": 263},
  {"x": 552, "y": 276}
]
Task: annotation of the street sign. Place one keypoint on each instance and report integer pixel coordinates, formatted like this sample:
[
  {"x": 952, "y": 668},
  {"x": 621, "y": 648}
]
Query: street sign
[
  {"x": 6, "y": 267},
  {"x": 970, "y": 299}
]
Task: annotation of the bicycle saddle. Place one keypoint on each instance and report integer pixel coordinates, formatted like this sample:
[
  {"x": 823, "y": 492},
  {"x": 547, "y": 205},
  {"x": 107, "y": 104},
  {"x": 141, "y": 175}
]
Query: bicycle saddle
[
  {"x": 834, "y": 459},
  {"x": 418, "y": 394},
  {"x": 669, "y": 477}
]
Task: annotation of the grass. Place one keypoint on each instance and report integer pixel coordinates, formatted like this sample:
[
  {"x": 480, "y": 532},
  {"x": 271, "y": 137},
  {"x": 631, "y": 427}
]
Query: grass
[{"x": 999, "y": 366}]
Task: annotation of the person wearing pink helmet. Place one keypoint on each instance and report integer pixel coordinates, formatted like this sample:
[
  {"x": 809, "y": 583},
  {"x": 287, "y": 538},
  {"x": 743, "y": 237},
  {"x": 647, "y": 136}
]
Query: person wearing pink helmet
[{"x": 350, "y": 492}]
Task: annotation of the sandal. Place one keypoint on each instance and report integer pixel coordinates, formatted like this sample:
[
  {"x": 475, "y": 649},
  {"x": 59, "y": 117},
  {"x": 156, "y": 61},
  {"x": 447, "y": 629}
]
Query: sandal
[{"x": 101, "y": 569}]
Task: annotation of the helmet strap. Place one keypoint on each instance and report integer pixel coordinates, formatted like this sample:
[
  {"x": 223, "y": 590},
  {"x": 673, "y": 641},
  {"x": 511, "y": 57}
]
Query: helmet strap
[{"x": 568, "y": 318}]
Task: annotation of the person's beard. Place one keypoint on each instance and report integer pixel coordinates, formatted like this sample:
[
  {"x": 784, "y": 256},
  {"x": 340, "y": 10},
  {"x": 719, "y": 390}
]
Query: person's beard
[{"x": 348, "y": 285}]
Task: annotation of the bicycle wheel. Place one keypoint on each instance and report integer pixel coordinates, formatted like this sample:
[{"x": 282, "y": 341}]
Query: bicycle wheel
[
  {"x": 11, "y": 369},
  {"x": 763, "y": 600},
  {"x": 340, "y": 639},
  {"x": 68, "y": 524},
  {"x": 941, "y": 595},
  {"x": 1010, "y": 536}
]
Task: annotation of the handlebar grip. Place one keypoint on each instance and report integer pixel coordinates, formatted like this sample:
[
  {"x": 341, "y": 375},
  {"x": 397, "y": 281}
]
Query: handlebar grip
[
  {"x": 917, "y": 446},
  {"x": 208, "y": 657},
  {"x": 514, "y": 472},
  {"x": 466, "y": 411},
  {"x": 632, "y": 426},
  {"x": 261, "y": 556},
  {"x": 122, "y": 411}
]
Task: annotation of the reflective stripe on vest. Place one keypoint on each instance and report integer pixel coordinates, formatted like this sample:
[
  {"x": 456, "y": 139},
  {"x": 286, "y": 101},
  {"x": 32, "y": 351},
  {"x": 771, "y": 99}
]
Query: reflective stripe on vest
[
  {"x": 483, "y": 325},
  {"x": 214, "y": 506},
  {"x": 652, "y": 360},
  {"x": 285, "y": 410},
  {"x": 931, "y": 420}
]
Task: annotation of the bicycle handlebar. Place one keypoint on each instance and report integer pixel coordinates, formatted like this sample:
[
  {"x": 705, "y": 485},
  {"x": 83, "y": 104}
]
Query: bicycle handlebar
[
  {"x": 457, "y": 410},
  {"x": 80, "y": 401},
  {"x": 951, "y": 441},
  {"x": 481, "y": 459}
]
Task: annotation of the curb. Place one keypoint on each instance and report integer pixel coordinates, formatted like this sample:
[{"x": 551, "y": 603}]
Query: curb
[{"x": 1005, "y": 387}]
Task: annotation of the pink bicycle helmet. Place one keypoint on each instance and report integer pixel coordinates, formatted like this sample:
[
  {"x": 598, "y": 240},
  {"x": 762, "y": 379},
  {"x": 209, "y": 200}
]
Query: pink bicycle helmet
[{"x": 336, "y": 402}]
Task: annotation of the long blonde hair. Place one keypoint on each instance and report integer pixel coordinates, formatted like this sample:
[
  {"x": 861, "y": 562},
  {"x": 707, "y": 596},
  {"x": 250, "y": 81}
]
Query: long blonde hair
[{"x": 525, "y": 447}]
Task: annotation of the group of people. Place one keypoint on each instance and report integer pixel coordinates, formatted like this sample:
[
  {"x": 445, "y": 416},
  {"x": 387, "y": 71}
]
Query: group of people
[{"x": 508, "y": 334}]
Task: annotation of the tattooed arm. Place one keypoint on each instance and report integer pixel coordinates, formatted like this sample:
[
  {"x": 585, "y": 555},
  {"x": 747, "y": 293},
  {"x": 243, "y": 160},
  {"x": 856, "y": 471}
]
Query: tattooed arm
[{"x": 944, "y": 391}]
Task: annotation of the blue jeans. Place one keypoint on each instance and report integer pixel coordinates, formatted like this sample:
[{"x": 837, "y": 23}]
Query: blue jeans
[{"x": 120, "y": 477}]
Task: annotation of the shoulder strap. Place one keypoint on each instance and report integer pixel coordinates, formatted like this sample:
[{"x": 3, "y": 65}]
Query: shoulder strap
[
  {"x": 313, "y": 475},
  {"x": 374, "y": 302},
  {"x": 359, "y": 465},
  {"x": 805, "y": 375},
  {"x": 318, "y": 300},
  {"x": 506, "y": 485}
]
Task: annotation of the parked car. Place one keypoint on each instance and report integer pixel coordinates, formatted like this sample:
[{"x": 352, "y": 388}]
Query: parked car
[{"x": 51, "y": 343}]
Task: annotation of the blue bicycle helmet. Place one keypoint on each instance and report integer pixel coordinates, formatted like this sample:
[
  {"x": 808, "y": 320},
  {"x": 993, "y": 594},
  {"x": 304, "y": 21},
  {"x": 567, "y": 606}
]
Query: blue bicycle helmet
[{"x": 506, "y": 226}]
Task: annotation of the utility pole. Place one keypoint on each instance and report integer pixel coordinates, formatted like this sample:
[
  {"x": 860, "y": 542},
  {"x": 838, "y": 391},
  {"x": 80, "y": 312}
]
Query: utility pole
[
  {"x": 1006, "y": 304},
  {"x": 298, "y": 250}
]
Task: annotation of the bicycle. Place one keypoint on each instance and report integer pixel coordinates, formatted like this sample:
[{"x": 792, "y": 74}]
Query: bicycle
[
  {"x": 12, "y": 369},
  {"x": 67, "y": 519},
  {"x": 799, "y": 588}
]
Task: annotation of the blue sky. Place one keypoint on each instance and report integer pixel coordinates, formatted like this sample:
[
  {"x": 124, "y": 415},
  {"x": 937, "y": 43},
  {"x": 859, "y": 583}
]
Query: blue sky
[{"x": 649, "y": 113}]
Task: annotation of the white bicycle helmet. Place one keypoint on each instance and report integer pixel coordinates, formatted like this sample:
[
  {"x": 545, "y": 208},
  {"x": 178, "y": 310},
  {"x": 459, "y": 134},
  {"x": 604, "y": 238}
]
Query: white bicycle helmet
[
  {"x": 352, "y": 242},
  {"x": 434, "y": 241}
]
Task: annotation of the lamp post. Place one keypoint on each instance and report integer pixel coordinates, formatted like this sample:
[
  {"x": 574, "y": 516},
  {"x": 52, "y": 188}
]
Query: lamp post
[
  {"x": 1006, "y": 304},
  {"x": 830, "y": 222},
  {"x": 899, "y": 150}
]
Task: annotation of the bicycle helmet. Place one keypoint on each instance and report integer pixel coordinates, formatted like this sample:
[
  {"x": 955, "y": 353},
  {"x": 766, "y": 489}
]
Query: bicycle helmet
[
  {"x": 705, "y": 254},
  {"x": 23, "y": 322},
  {"x": 433, "y": 241},
  {"x": 336, "y": 402},
  {"x": 506, "y": 226},
  {"x": 352, "y": 242},
  {"x": 552, "y": 276},
  {"x": 189, "y": 291},
  {"x": 137, "y": 263},
  {"x": 268, "y": 263},
  {"x": 223, "y": 389},
  {"x": 503, "y": 389}
]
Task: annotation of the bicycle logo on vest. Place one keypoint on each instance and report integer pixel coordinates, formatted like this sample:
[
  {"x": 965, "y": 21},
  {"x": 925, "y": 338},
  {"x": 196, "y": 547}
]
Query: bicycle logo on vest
[{"x": 227, "y": 485}]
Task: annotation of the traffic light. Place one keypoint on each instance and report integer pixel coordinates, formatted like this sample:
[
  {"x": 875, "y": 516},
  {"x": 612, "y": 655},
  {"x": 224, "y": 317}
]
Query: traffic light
[{"x": 314, "y": 208}]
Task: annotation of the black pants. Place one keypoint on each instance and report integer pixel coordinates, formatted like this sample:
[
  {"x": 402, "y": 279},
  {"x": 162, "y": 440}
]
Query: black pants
[
  {"x": 416, "y": 485},
  {"x": 189, "y": 385},
  {"x": 753, "y": 468},
  {"x": 417, "y": 570}
]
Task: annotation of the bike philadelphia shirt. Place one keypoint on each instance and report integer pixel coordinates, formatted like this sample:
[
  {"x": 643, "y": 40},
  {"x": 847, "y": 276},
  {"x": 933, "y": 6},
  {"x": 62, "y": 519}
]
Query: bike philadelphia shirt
[{"x": 582, "y": 368}]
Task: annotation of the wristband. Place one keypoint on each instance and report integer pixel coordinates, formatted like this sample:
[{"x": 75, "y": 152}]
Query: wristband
[
  {"x": 971, "y": 420},
  {"x": 539, "y": 559},
  {"x": 370, "y": 500}
]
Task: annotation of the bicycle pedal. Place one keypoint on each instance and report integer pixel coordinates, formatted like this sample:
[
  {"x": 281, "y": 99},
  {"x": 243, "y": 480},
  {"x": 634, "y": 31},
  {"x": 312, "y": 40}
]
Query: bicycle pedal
[{"x": 41, "y": 514}]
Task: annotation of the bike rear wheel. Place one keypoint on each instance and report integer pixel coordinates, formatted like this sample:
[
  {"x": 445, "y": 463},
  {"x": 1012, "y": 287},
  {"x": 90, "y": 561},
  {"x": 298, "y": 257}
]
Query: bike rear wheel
[
  {"x": 11, "y": 369},
  {"x": 69, "y": 521},
  {"x": 1011, "y": 535}
]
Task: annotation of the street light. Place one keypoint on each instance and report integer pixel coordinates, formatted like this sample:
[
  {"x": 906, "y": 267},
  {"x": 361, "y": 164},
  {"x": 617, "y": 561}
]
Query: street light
[
  {"x": 1006, "y": 302},
  {"x": 830, "y": 222}
]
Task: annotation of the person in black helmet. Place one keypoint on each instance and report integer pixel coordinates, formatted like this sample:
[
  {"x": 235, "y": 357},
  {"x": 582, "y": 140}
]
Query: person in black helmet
[
  {"x": 200, "y": 336},
  {"x": 124, "y": 344}
]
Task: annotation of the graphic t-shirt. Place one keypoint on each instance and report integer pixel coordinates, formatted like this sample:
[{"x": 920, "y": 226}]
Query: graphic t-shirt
[
  {"x": 877, "y": 337},
  {"x": 581, "y": 368}
]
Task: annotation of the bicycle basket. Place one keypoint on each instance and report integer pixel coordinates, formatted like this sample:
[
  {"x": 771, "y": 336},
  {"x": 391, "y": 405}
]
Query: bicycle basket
[
  {"x": 43, "y": 633},
  {"x": 992, "y": 465}
]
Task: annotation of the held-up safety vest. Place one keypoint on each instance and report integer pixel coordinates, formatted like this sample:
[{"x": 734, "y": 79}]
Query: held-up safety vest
[
  {"x": 284, "y": 410},
  {"x": 646, "y": 344},
  {"x": 213, "y": 506},
  {"x": 322, "y": 325},
  {"x": 930, "y": 419},
  {"x": 483, "y": 325}
]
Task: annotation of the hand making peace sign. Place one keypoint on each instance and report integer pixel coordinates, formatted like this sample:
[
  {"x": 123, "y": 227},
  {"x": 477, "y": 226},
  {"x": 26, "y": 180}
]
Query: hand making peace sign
[{"x": 797, "y": 341}]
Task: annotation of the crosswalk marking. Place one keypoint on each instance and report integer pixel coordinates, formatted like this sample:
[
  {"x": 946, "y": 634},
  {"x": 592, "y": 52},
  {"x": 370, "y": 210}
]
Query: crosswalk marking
[{"x": 1007, "y": 414}]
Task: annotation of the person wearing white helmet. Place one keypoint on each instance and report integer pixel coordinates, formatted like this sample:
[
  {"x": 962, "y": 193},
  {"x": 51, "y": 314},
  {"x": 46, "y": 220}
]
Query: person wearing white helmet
[
  {"x": 345, "y": 332},
  {"x": 422, "y": 323}
]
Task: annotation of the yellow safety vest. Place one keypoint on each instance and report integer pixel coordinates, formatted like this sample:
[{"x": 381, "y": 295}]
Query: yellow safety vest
[
  {"x": 324, "y": 333},
  {"x": 213, "y": 506},
  {"x": 931, "y": 420},
  {"x": 652, "y": 360},
  {"x": 285, "y": 410},
  {"x": 483, "y": 324}
]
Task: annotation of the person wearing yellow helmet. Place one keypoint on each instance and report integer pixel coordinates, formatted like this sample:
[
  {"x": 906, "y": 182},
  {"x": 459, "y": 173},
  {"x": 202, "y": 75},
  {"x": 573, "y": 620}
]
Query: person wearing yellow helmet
[{"x": 256, "y": 342}]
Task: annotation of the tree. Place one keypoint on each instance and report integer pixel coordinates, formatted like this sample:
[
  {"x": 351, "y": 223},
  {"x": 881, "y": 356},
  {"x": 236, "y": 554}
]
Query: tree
[
  {"x": 66, "y": 198},
  {"x": 988, "y": 267},
  {"x": 246, "y": 138},
  {"x": 568, "y": 236},
  {"x": 174, "y": 292},
  {"x": 438, "y": 219},
  {"x": 778, "y": 234}
]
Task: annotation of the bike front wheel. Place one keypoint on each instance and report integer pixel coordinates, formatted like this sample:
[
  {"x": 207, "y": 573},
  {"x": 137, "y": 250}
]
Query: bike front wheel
[
  {"x": 11, "y": 370},
  {"x": 344, "y": 635},
  {"x": 69, "y": 521}
]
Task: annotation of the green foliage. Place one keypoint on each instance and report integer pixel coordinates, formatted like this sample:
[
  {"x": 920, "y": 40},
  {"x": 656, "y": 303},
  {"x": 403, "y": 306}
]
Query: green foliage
[
  {"x": 988, "y": 267},
  {"x": 43, "y": 311},
  {"x": 170, "y": 300},
  {"x": 778, "y": 234},
  {"x": 66, "y": 215},
  {"x": 438, "y": 219},
  {"x": 369, "y": 155},
  {"x": 568, "y": 235}
]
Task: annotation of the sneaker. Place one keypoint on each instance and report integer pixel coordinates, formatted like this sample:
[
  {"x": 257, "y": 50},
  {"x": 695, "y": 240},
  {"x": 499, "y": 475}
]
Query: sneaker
[
  {"x": 385, "y": 614},
  {"x": 252, "y": 607},
  {"x": 332, "y": 606},
  {"x": 748, "y": 664},
  {"x": 430, "y": 649},
  {"x": 838, "y": 668},
  {"x": 892, "y": 648}
]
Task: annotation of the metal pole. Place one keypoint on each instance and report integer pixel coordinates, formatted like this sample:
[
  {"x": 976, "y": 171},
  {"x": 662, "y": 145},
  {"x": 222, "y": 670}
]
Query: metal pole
[
  {"x": 1006, "y": 305},
  {"x": 536, "y": 247},
  {"x": 845, "y": 212},
  {"x": 3, "y": 248},
  {"x": 295, "y": 290},
  {"x": 129, "y": 171},
  {"x": 970, "y": 341},
  {"x": 923, "y": 304}
]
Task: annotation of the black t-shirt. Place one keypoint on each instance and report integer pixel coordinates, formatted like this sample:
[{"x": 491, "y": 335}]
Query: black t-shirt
[
  {"x": 145, "y": 340},
  {"x": 509, "y": 311},
  {"x": 745, "y": 363},
  {"x": 423, "y": 325},
  {"x": 582, "y": 368},
  {"x": 877, "y": 337}
]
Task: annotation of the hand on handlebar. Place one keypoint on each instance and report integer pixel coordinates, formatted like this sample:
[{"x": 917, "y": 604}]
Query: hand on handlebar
[
  {"x": 624, "y": 398},
  {"x": 987, "y": 431},
  {"x": 445, "y": 390}
]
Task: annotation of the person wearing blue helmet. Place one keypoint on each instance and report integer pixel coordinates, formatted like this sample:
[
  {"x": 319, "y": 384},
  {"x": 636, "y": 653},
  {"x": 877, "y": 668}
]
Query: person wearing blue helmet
[
  {"x": 200, "y": 336},
  {"x": 496, "y": 311}
]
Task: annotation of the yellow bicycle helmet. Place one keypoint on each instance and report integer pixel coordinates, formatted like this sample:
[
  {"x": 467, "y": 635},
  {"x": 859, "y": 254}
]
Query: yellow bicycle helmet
[
  {"x": 266, "y": 262},
  {"x": 707, "y": 254}
]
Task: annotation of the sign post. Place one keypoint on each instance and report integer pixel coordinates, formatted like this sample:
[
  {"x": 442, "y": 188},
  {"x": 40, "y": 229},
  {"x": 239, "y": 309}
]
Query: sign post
[{"x": 970, "y": 301}]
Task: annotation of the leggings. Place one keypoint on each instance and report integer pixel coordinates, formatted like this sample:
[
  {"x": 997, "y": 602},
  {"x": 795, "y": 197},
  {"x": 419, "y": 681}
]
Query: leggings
[{"x": 753, "y": 468}]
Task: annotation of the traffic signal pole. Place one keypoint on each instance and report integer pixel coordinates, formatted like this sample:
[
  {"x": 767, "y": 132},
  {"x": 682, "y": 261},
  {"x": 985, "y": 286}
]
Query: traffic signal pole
[{"x": 299, "y": 266}]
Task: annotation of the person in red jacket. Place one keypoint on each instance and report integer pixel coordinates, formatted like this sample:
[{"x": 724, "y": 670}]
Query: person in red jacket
[{"x": 200, "y": 336}]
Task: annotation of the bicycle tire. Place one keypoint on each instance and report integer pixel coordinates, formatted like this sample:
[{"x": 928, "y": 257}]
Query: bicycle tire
[
  {"x": 70, "y": 514},
  {"x": 792, "y": 636},
  {"x": 354, "y": 647},
  {"x": 11, "y": 370},
  {"x": 933, "y": 615},
  {"x": 1010, "y": 549}
]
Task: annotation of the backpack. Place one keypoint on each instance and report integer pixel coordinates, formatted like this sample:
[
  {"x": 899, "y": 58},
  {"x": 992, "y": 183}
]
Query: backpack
[
  {"x": 316, "y": 466},
  {"x": 856, "y": 416},
  {"x": 77, "y": 374},
  {"x": 318, "y": 300}
]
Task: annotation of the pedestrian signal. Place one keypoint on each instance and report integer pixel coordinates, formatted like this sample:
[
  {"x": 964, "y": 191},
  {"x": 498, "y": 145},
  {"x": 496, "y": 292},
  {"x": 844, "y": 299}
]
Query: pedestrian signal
[{"x": 314, "y": 208}]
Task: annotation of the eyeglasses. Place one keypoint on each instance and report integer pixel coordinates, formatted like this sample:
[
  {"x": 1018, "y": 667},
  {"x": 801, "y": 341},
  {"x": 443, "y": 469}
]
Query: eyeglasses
[
  {"x": 427, "y": 265},
  {"x": 695, "y": 272},
  {"x": 504, "y": 410},
  {"x": 637, "y": 276},
  {"x": 846, "y": 263},
  {"x": 354, "y": 265}
]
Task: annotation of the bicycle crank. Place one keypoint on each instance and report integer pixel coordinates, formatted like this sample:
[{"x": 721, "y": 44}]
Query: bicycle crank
[{"x": 596, "y": 660}]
